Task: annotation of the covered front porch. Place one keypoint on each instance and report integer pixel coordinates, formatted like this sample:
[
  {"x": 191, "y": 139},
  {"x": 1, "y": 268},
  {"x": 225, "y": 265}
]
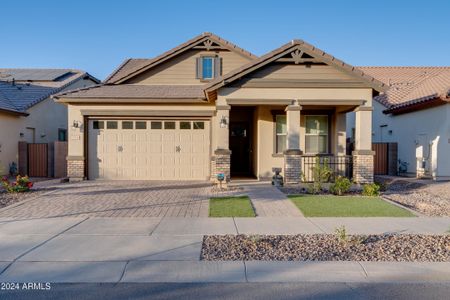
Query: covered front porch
[{"x": 255, "y": 137}]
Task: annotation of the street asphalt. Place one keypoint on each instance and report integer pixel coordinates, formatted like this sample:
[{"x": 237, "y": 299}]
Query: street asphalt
[{"x": 236, "y": 291}]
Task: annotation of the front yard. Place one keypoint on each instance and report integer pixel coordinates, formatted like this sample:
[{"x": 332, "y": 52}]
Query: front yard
[
  {"x": 231, "y": 207},
  {"x": 346, "y": 206}
]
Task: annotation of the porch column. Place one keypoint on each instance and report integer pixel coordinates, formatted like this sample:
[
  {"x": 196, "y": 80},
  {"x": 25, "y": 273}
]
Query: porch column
[
  {"x": 363, "y": 154},
  {"x": 292, "y": 154},
  {"x": 221, "y": 159}
]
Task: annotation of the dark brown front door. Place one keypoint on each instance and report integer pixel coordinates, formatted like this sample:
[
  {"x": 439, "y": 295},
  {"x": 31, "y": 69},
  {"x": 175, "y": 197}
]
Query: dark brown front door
[{"x": 240, "y": 147}]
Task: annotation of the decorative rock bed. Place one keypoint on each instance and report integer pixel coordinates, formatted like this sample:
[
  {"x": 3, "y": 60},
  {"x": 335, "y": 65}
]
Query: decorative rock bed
[
  {"x": 428, "y": 199},
  {"x": 326, "y": 247}
]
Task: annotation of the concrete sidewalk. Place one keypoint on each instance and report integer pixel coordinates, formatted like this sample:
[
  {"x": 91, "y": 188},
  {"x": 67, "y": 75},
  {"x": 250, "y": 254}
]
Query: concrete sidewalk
[{"x": 168, "y": 250}]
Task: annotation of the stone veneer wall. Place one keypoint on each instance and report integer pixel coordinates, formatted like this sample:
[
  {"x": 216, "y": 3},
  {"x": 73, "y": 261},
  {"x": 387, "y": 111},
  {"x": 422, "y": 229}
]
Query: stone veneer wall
[
  {"x": 75, "y": 168},
  {"x": 363, "y": 168},
  {"x": 220, "y": 163},
  {"x": 292, "y": 166}
]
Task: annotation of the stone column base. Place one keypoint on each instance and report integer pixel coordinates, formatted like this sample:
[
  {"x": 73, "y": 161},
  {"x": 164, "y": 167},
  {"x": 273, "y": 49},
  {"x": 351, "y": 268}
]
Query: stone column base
[
  {"x": 220, "y": 163},
  {"x": 75, "y": 168},
  {"x": 292, "y": 166},
  {"x": 363, "y": 166}
]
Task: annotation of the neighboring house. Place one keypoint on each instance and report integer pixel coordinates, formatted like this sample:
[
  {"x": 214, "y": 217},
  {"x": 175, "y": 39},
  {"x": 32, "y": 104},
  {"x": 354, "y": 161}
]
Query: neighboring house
[
  {"x": 26, "y": 111},
  {"x": 208, "y": 107},
  {"x": 415, "y": 113}
]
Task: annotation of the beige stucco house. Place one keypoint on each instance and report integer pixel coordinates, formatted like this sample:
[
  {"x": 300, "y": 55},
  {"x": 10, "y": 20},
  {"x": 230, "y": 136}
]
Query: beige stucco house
[
  {"x": 27, "y": 113},
  {"x": 209, "y": 107},
  {"x": 415, "y": 114}
]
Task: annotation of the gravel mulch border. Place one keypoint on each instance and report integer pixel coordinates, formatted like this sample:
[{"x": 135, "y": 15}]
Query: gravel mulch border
[{"x": 327, "y": 247}]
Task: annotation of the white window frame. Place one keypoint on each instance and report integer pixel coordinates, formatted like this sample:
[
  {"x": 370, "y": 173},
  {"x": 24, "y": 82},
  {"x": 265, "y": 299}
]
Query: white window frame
[
  {"x": 279, "y": 134},
  {"x": 327, "y": 148},
  {"x": 212, "y": 58}
]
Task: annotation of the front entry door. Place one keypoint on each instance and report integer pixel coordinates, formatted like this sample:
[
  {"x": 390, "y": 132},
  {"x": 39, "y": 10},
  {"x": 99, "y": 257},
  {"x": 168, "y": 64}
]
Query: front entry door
[{"x": 240, "y": 147}]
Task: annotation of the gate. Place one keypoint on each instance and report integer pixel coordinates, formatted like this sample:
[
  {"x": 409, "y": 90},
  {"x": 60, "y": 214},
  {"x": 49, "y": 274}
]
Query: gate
[
  {"x": 385, "y": 159},
  {"x": 37, "y": 160}
]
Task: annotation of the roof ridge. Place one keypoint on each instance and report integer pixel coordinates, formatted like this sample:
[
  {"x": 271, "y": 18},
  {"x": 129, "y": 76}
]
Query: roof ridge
[
  {"x": 374, "y": 83},
  {"x": 175, "y": 51}
]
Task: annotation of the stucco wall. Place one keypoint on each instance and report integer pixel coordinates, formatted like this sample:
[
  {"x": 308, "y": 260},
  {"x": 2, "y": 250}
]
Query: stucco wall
[
  {"x": 45, "y": 117},
  {"x": 410, "y": 130}
]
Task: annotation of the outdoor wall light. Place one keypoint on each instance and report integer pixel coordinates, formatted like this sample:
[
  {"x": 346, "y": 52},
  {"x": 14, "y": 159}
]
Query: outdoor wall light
[
  {"x": 76, "y": 124},
  {"x": 224, "y": 122},
  {"x": 21, "y": 134},
  {"x": 43, "y": 135}
]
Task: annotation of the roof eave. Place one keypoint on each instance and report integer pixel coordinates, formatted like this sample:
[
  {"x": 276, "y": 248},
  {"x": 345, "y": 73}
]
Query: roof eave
[
  {"x": 415, "y": 105},
  {"x": 14, "y": 112},
  {"x": 179, "y": 49}
]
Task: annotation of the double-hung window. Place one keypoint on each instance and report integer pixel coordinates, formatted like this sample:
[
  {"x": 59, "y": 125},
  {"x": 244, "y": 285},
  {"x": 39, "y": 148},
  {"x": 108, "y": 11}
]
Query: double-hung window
[
  {"x": 208, "y": 67},
  {"x": 316, "y": 135},
  {"x": 281, "y": 133}
]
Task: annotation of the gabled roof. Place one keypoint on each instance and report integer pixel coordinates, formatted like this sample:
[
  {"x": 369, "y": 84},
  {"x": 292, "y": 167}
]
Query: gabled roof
[
  {"x": 285, "y": 49},
  {"x": 21, "y": 89},
  {"x": 412, "y": 88},
  {"x": 136, "y": 91},
  {"x": 132, "y": 67}
]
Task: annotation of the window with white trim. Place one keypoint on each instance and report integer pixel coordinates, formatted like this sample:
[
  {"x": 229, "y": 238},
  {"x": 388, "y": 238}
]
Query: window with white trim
[
  {"x": 207, "y": 67},
  {"x": 281, "y": 133},
  {"x": 316, "y": 134}
]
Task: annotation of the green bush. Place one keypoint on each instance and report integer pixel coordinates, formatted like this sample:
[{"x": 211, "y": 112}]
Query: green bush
[
  {"x": 340, "y": 186},
  {"x": 371, "y": 189}
]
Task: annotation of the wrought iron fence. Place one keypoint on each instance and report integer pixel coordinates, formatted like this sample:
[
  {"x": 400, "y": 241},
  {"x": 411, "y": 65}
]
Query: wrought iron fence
[{"x": 338, "y": 165}]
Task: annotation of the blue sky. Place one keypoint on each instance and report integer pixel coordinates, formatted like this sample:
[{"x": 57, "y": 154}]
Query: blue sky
[{"x": 96, "y": 36}]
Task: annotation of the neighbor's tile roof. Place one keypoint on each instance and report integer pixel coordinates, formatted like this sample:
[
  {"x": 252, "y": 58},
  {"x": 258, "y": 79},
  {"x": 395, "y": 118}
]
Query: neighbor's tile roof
[
  {"x": 20, "y": 89},
  {"x": 411, "y": 85},
  {"x": 136, "y": 91},
  {"x": 135, "y": 66}
]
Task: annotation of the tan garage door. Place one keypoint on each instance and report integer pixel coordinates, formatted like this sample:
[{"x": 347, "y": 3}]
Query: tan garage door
[{"x": 149, "y": 149}]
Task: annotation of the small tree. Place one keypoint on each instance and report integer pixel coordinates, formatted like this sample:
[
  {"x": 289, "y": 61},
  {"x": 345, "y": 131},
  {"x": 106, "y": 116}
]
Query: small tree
[{"x": 321, "y": 173}]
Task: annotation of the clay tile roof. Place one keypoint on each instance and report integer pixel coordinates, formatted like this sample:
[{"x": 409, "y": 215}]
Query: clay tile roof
[
  {"x": 135, "y": 66},
  {"x": 135, "y": 91},
  {"x": 316, "y": 52},
  {"x": 411, "y": 85}
]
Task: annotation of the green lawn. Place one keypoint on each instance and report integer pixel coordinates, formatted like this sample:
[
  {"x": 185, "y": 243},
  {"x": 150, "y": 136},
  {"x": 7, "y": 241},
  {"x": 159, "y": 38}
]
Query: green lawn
[
  {"x": 347, "y": 206},
  {"x": 231, "y": 207}
]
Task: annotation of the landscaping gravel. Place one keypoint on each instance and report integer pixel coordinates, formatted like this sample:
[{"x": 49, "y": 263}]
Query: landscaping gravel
[
  {"x": 39, "y": 188},
  {"x": 431, "y": 199},
  {"x": 326, "y": 247}
]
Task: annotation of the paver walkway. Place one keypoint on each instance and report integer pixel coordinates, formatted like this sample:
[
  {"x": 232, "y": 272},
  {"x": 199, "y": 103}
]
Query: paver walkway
[
  {"x": 270, "y": 201},
  {"x": 118, "y": 199}
]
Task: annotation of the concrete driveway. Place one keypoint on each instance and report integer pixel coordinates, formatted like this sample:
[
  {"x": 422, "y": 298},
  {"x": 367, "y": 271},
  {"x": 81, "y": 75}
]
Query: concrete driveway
[{"x": 117, "y": 199}]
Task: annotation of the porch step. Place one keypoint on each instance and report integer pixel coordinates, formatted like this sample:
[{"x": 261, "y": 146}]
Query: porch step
[{"x": 268, "y": 201}]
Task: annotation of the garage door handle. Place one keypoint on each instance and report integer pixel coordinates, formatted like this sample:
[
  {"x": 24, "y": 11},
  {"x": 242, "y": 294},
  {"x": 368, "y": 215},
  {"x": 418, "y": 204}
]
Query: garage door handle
[
  {"x": 178, "y": 149},
  {"x": 120, "y": 148}
]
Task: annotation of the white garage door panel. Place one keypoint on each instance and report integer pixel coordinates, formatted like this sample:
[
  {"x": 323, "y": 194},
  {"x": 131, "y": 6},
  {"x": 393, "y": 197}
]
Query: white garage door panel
[{"x": 153, "y": 154}]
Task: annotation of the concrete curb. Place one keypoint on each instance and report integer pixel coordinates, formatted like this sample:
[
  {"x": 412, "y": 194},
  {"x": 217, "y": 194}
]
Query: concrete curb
[{"x": 226, "y": 271}]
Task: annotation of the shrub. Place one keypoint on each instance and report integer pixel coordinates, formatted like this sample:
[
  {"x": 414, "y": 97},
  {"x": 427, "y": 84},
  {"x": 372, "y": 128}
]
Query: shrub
[
  {"x": 341, "y": 234},
  {"x": 321, "y": 173},
  {"x": 22, "y": 184},
  {"x": 341, "y": 186},
  {"x": 371, "y": 189}
]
